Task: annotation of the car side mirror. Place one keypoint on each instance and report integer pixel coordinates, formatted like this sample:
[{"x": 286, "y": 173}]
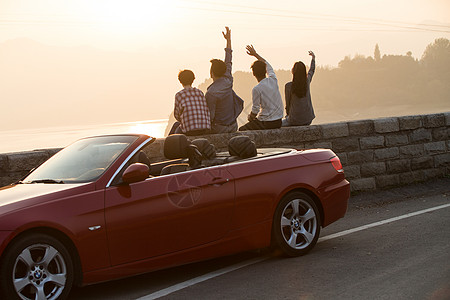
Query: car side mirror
[{"x": 135, "y": 173}]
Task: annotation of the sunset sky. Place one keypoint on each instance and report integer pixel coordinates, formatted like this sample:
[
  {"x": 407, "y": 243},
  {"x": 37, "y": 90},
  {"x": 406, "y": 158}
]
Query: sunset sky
[{"x": 179, "y": 34}]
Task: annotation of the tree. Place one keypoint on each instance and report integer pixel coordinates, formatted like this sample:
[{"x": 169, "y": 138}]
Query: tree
[
  {"x": 436, "y": 56},
  {"x": 376, "y": 53}
]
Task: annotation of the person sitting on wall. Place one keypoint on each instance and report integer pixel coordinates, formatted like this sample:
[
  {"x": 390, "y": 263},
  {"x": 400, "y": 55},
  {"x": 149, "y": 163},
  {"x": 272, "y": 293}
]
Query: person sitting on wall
[
  {"x": 224, "y": 105},
  {"x": 299, "y": 109},
  {"x": 191, "y": 110},
  {"x": 267, "y": 109}
]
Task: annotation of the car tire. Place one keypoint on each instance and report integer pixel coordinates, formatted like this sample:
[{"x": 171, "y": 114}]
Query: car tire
[
  {"x": 36, "y": 266},
  {"x": 296, "y": 224}
]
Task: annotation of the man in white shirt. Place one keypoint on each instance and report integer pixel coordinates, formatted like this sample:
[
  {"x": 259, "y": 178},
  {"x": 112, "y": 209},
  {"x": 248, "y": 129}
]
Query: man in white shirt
[{"x": 267, "y": 109}]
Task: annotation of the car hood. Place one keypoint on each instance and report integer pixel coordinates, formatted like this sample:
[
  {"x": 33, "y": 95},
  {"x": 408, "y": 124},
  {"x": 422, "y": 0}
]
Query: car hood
[{"x": 13, "y": 196}]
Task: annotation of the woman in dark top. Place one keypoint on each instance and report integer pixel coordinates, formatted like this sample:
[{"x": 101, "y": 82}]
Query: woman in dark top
[{"x": 299, "y": 109}]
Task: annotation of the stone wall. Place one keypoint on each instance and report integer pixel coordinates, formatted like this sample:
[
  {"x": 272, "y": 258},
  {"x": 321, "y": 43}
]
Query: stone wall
[{"x": 378, "y": 153}]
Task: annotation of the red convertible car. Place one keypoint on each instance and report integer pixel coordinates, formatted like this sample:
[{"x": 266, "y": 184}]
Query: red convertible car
[{"x": 100, "y": 209}]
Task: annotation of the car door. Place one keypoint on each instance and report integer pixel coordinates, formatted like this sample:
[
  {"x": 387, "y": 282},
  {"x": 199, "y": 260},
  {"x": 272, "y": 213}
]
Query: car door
[{"x": 168, "y": 213}]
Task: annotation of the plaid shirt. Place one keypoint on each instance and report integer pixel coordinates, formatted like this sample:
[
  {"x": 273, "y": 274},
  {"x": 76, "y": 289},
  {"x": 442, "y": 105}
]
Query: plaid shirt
[{"x": 191, "y": 110}]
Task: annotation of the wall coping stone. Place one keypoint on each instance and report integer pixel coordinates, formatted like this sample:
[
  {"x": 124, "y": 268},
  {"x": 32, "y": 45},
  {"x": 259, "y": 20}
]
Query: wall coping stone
[
  {"x": 386, "y": 125},
  {"x": 410, "y": 122}
]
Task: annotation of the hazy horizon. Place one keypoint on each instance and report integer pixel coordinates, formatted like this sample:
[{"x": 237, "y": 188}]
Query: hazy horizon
[{"x": 92, "y": 62}]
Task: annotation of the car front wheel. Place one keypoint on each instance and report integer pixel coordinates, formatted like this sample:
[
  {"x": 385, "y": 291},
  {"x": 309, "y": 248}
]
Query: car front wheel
[
  {"x": 296, "y": 224},
  {"x": 36, "y": 266}
]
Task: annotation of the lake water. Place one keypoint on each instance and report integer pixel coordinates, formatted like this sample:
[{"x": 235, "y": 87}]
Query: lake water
[{"x": 58, "y": 137}]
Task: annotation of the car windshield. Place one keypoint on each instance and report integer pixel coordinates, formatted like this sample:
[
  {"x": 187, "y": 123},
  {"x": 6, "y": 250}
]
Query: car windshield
[{"x": 83, "y": 161}]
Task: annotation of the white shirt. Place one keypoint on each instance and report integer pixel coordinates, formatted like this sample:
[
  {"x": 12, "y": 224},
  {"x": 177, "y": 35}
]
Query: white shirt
[{"x": 267, "y": 98}]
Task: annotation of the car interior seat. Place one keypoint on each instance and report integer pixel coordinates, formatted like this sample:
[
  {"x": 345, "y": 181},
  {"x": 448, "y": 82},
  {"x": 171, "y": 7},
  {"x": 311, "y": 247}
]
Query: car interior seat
[
  {"x": 178, "y": 146},
  {"x": 206, "y": 149},
  {"x": 242, "y": 147}
]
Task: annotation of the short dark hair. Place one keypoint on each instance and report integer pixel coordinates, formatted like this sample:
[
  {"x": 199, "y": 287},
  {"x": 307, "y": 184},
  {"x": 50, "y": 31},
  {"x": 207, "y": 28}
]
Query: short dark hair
[
  {"x": 186, "y": 77},
  {"x": 259, "y": 68},
  {"x": 218, "y": 67}
]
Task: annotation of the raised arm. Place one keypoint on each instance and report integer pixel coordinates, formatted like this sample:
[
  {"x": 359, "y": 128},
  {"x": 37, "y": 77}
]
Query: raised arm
[
  {"x": 312, "y": 67},
  {"x": 228, "y": 56},
  {"x": 227, "y": 36},
  {"x": 252, "y": 52}
]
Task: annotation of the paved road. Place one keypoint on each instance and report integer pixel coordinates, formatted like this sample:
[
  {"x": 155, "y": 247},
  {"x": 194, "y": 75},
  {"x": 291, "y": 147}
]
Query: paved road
[{"x": 406, "y": 257}]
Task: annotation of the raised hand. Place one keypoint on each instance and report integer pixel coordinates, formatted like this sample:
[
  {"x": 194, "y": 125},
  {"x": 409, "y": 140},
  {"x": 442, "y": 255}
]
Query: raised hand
[
  {"x": 227, "y": 33},
  {"x": 312, "y": 54},
  {"x": 251, "y": 50}
]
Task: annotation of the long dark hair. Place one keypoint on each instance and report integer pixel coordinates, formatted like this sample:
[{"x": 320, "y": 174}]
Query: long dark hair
[{"x": 299, "y": 85}]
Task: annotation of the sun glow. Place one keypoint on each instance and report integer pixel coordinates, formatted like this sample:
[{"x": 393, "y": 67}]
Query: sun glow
[
  {"x": 131, "y": 17},
  {"x": 154, "y": 129}
]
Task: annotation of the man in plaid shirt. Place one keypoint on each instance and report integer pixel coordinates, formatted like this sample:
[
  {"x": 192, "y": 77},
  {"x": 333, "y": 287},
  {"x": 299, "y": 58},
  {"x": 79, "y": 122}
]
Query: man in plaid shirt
[{"x": 191, "y": 110}]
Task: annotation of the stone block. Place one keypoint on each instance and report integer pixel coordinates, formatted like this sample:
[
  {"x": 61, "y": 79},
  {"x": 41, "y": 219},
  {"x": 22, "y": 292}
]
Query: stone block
[
  {"x": 420, "y": 163},
  {"x": 386, "y": 125},
  {"x": 52, "y": 151},
  {"x": 435, "y": 148},
  {"x": 12, "y": 177},
  {"x": 363, "y": 184},
  {"x": 398, "y": 166},
  {"x": 273, "y": 137},
  {"x": 257, "y": 136},
  {"x": 359, "y": 157},
  {"x": 420, "y": 135},
  {"x": 411, "y": 151},
  {"x": 317, "y": 145},
  {"x": 410, "y": 122},
  {"x": 352, "y": 172},
  {"x": 441, "y": 134},
  {"x": 412, "y": 177},
  {"x": 220, "y": 141},
  {"x": 387, "y": 153},
  {"x": 5, "y": 180},
  {"x": 298, "y": 146},
  {"x": 387, "y": 181},
  {"x": 371, "y": 142},
  {"x": 334, "y": 130},
  {"x": 434, "y": 120},
  {"x": 396, "y": 140},
  {"x": 433, "y": 173},
  {"x": 361, "y": 128},
  {"x": 25, "y": 161},
  {"x": 3, "y": 162},
  {"x": 286, "y": 135},
  {"x": 345, "y": 144},
  {"x": 447, "y": 118},
  {"x": 343, "y": 158},
  {"x": 373, "y": 169},
  {"x": 307, "y": 134},
  {"x": 442, "y": 160}
]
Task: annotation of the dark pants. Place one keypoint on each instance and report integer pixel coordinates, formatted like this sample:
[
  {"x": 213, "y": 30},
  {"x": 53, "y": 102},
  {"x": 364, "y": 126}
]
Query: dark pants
[
  {"x": 216, "y": 128},
  {"x": 259, "y": 125},
  {"x": 176, "y": 129}
]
